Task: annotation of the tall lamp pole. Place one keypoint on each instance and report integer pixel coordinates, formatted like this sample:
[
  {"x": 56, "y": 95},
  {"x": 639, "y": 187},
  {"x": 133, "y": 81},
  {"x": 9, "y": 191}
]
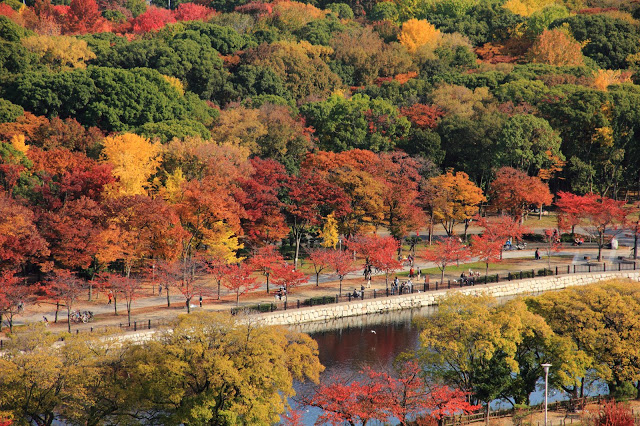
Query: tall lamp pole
[{"x": 546, "y": 389}]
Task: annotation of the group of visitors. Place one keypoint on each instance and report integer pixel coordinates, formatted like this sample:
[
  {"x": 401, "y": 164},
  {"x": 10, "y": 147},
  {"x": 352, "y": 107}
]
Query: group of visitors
[
  {"x": 405, "y": 287},
  {"x": 281, "y": 293}
]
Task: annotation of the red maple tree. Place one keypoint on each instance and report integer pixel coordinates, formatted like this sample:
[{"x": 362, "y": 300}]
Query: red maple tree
[
  {"x": 487, "y": 249},
  {"x": 380, "y": 253},
  {"x": 552, "y": 244},
  {"x": 381, "y": 396},
  {"x": 263, "y": 222},
  {"x": 287, "y": 276},
  {"x": 239, "y": 280},
  {"x": 128, "y": 287},
  {"x": 341, "y": 263},
  {"x": 319, "y": 258},
  {"x": 423, "y": 116},
  {"x": 446, "y": 252},
  {"x": 83, "y": 17},
  {"x": 66, "y": 287},
  {"x": 153, "y": 19},
  {"x": 265, "y": 260},
  {"x": 570, "y": 210},
  {"x": 309, "y": 198},
  {"x": 513, "y": 191},
  {"x": 192, "y": 12},
  {"x": 13, "y": 296}
]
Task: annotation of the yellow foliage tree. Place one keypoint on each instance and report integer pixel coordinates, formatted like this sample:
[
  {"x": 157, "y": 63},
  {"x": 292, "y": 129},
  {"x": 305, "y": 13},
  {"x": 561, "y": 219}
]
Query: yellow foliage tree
[
  {"x": 175, "y": 83},
  {"x": 241, "y": 127},
  {"x": 18, "y": 142},
  {"x": 172, "y": 187},
  {"x": 221, "y": 242},
  {"x": 293, "y": 15},
  {"x": 329, "y": 232},
  {"x": 602, "y": 79},
  {"x": 134, "y": 159},
  {"x": 417, "y": 33},
  {"x": 59, "y": 52},
  {"x": 527, "y": 7}
]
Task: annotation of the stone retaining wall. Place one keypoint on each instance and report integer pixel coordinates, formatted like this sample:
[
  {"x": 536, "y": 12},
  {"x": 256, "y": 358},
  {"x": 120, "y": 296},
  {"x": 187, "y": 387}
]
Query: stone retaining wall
[{"x": 430, "y": 298}]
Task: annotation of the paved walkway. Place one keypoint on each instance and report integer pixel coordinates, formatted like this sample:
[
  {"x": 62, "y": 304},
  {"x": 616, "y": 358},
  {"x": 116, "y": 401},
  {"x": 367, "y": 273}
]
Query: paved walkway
[{"x": 153, "y": 307}]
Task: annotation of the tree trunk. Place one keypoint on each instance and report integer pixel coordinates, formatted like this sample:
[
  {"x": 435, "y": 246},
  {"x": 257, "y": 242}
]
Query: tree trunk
[
  {"x": 188, "y": 305},
  {"x": 340, "y": 292},
  {"x": 466, "y": 227},
  {"x": 218, "y": 289},
  {"x": 237, "y": 297},
  {"x": 487, "y": 412},
  {"x": 69, "y": 319},
  {"x": 90, "y": 291},
  {"x": 600, "y": 245},
  {"x": 115, "y": 304},
  {"x": 442, "y": 276},
  {"x": 268, "y": 282},
  {"x": 298, "y": 238},
  {"x": 129, "y": 312},
  {"x": 55, "y": 321},
  {"x": 317, "y": 279},
  {"x": 168, "y": 300},
  {"x": 540, "y": 216}
]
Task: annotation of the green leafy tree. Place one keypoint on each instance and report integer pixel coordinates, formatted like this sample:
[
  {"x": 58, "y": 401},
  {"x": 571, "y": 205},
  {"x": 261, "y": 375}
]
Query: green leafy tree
[
  {"x": 528, "y": 143},
  {"x": 610, "y": 40},
  {"x": 358, "y": 122},
  {"x": 112, "y": 99}
]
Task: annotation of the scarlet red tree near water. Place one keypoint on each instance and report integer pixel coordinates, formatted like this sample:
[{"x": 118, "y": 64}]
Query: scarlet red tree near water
[
  {"x": 379, "y": 252},
  {"x": 487, "y": 249},
  {"x": 381, "y": 396}
]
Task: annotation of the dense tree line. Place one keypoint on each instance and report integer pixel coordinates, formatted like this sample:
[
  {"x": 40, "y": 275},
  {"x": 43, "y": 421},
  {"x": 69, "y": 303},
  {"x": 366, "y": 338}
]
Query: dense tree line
[
  {"x": 495, "y": 79},
  {"x": 208, "y": 369},
  {"x": 494, "y": 351}
]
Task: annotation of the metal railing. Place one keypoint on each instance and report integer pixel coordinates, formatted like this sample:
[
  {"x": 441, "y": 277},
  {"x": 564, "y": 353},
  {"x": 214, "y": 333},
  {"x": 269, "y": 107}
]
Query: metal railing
[{"x": 359, "y": 295}]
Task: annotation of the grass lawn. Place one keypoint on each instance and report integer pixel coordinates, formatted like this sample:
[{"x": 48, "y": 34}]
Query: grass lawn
[
  {"x": 506, "y": 265},
  {"x": 547, "y": 222}
]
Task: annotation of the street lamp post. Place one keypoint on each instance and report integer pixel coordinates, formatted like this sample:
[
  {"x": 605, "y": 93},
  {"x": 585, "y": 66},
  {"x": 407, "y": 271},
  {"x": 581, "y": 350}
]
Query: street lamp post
[{"x": 546, "y": 389}]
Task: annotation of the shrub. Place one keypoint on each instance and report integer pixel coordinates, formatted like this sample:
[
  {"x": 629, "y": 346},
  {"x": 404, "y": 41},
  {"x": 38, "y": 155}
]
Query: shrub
[
  {"x": 319, "y": 300},
  {"x": 614, "y": 414}
]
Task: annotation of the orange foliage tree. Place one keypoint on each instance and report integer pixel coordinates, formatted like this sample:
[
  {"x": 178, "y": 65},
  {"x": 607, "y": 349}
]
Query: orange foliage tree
[
  {"x": 452, "y": 198},
  {"x": 513, "y": 191},
  {"x": 556, "y": 47}
]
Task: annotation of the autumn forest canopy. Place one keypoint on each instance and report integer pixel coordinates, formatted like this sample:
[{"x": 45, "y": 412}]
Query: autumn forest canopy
[{"x": 132, "y": 134}]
